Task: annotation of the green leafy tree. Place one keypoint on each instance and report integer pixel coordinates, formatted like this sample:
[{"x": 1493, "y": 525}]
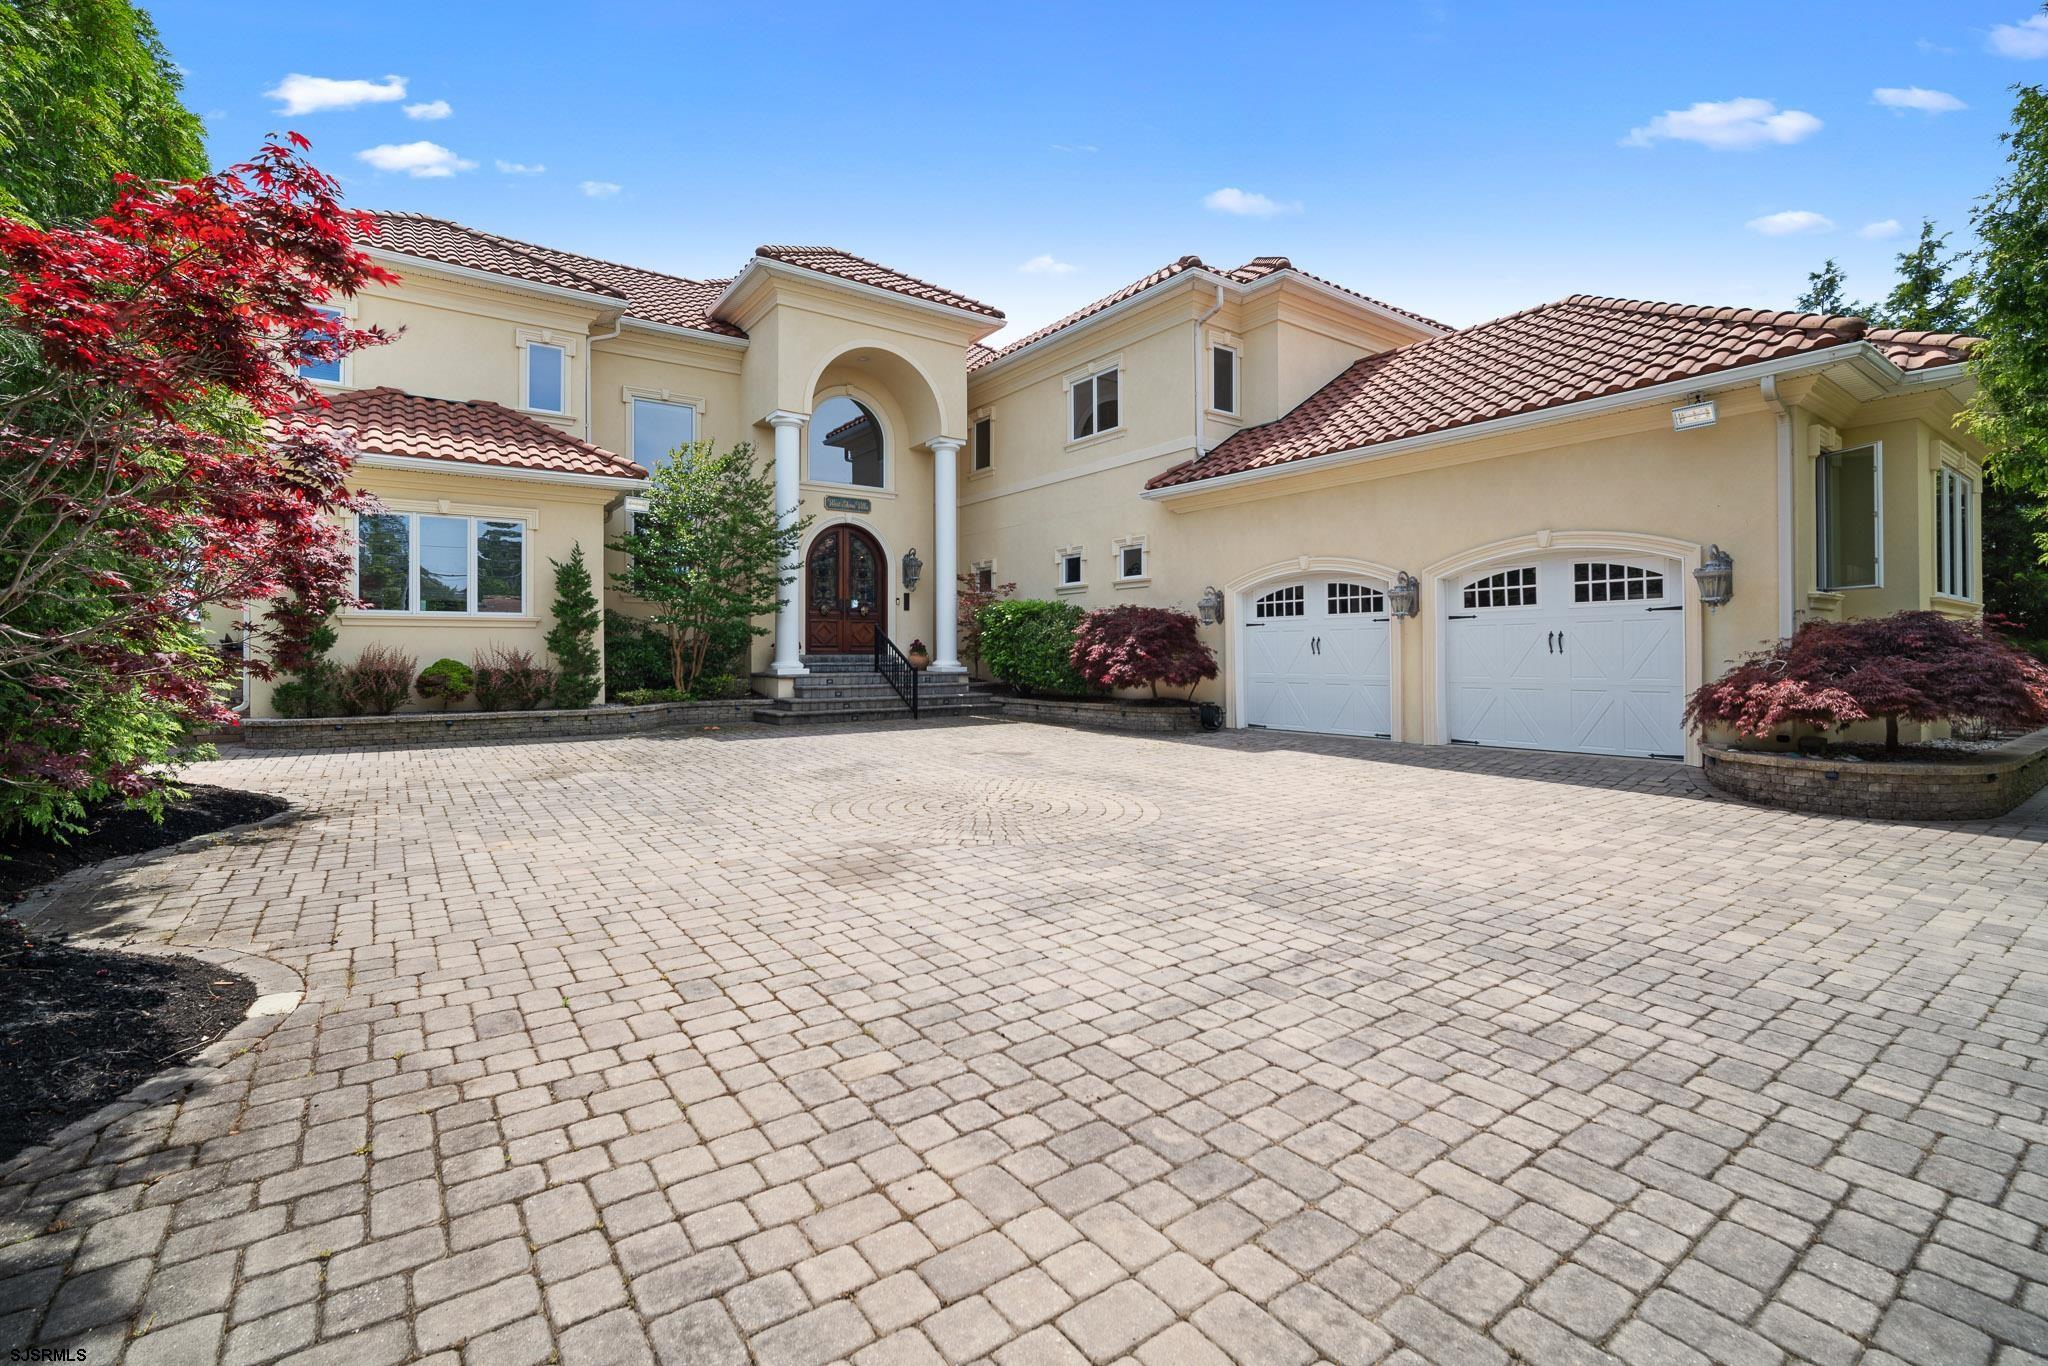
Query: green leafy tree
[
  {"x": 1028, "y": 643},
  {"x": 86, "y": 91},
  {"x": 708, "y": 556},
  {"x": 572, "y": 640},
  {"x": 2010, "y": 411},
  {"x": 1931, "y": 296},
  {"x": 1827, "y": 293}
]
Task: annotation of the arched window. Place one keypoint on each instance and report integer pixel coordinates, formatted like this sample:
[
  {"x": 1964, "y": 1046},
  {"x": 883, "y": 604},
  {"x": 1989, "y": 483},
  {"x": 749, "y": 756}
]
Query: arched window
[
  {"x": 1508, "y": 588},
  {"x": 846, "y": 444},
  {"x": 1602, "y": 581},
  {"x": 1281, "y": 602}
]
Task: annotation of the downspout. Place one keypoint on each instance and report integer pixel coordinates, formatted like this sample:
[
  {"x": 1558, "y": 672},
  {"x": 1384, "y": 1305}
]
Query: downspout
[
  {"x": 1787, "y": 541},
  {"x": 1200, "y": 323},
  {"x": 590, "y": 434}
]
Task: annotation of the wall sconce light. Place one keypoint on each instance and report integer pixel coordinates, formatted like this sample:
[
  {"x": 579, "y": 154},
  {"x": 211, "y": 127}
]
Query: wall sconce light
[
  {"x": 1716, "y": 577},
  {"x": 1210, "y": 607},
  {"x": 912, "y": 568},
  {"x": 1404, "y": 597}
]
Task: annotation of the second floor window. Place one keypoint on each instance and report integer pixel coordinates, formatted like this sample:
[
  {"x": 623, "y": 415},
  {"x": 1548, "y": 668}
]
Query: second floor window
[
  {"x": 1095, "y": 405},
  {"x": 326, "y": 372},
  {"x": 547, "y": 378},
  {"x": 659, "y": 430},
  {"x": 1223, "y": 380},
  {"x": 1070, "y": 569},
  {"x": 984, "y": 454}
]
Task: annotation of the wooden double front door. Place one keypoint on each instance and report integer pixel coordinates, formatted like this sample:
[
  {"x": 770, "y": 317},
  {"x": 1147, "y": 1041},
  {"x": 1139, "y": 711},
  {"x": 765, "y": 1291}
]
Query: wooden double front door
[{"x": 845, "y": 588}]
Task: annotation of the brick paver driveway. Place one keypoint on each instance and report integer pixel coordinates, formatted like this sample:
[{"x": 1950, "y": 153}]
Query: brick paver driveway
[{"x": 1003, "y": 1041}]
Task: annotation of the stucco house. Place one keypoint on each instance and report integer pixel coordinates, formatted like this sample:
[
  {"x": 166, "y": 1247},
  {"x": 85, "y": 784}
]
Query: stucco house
[{"x": 1482, "y": 535}]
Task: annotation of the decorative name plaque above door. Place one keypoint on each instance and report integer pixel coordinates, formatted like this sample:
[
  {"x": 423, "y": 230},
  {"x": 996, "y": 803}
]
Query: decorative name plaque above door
[{"x": 835, "y": 503}]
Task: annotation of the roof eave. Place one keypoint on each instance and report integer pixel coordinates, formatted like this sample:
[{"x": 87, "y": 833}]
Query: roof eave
[
  {"x": 678, "y": 330},
  {"x": 1349, "y": 300},
  {"x": 1148, "y": 293},
  {"x": 477, "y": 469},
  {"x": 608, "y": 303},
  {"x": 1857, "y": 352}
]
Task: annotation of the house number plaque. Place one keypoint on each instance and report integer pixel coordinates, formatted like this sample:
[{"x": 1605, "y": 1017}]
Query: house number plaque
[{"x": 835, "y": 503}]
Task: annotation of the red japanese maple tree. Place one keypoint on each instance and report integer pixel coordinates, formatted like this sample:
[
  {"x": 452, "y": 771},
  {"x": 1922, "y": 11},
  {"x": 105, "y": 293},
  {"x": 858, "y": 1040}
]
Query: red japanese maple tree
[
  {"x": 1133, "y": 647},
  {"x": 151, "y": 464},
  {"x": 1911, "y": 666}
]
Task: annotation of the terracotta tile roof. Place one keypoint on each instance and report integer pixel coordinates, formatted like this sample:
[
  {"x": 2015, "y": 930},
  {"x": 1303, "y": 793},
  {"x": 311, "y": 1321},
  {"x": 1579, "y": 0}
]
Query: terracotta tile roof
[
  {"x": 846, "y": 266},
  {"x": 646, "y": 294},
  {"x": 392, "y": 422},
  {"x": 1252, "y": 271},
  {"x": 1576, "y": 349}
]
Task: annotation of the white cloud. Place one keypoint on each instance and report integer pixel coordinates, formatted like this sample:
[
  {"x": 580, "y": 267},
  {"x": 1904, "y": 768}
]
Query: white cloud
[
  {"x": 520, "y": 167},
  {"x": 1878, "y": 231},
  {"x": 1913, "y": 97},
  {"x": 1726, "y": 125},
  {"x": 1047, "y": 264},
  {"x": 1075, "y": 147},
  {"x": 432, "y": 109},
  {"x": 1929, "y": 45},
  {"x": 314, "y": 94},
  {"x": 420, "y": 160},
  {"x": 2027, "y": 38},
  {"x": 1789, "y": 222},
  {"x": 1246, "y": 203},
  {"x": 599, "y": 189}
]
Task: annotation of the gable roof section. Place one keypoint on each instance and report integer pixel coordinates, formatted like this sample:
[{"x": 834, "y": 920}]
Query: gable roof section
[
  {"x": 1251, "y": 272},
  {"x": 648, "y": 295},
  {"x": 388, "y": 421},
  {"x": 845, "y": 265},
  {"x": 1579, "y": 348}
]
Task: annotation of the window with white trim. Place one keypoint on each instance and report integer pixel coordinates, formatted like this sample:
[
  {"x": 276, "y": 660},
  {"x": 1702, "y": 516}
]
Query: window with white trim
[
  {"x": 984, "y": 576},
  {"x": 324, "y": 372},
  {"x": 1070, "y": 567},
  {"x": 1291, "y": 601},
  {"x": 983, "y": 457},
  {"x": 1850, "y": 507},
  {"x": 1350, "y": 599},
  {"x": 1094, "y": 404},
  {"x": 546, "y": 383},
  {"x": 1601, "y": 581},
  {"x": 420, "y": 562},
  {"x": 1223, "y": 379},
  {"x": 659, "y": 429},
  {"x": 1507, "y": 588},
  {"x": 1130, "y": 559},
  {"x": 1954, "y": 495}
]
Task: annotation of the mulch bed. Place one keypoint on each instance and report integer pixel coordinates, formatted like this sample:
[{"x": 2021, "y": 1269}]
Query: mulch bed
[
  {"x": 82, "y": 1027},
  {"x": 28, "y": 859}
]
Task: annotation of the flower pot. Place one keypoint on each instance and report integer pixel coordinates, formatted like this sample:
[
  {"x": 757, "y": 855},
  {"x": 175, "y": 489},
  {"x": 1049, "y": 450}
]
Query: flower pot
[{"x": 918, "y": 659}]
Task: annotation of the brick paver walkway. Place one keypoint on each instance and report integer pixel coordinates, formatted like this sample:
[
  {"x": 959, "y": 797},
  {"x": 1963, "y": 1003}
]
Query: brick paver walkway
[{"x": 1002, "y": 1041}]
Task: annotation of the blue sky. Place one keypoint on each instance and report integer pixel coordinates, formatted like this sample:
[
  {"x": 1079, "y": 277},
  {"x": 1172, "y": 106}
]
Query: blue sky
[{"x": 1460, "y": 159}]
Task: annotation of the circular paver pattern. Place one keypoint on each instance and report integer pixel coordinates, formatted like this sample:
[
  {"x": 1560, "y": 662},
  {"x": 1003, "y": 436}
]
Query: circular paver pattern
[{"x": 972, "y": 811}]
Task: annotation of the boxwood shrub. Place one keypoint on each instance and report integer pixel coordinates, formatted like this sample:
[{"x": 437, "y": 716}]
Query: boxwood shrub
[{"x": 1028, "y": 643}]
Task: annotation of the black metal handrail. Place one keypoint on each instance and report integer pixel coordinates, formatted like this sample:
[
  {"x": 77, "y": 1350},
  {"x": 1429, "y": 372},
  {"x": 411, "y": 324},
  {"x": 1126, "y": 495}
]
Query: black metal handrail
[{"x": 894, "y": 667}]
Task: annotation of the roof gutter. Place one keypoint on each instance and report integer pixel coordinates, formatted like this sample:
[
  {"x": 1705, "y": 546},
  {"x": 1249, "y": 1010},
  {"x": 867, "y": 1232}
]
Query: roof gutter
[
  {"x": 1563, "y": 412},
  {"x": 381, "y": 461},
  {"x": 672, "y": 330},
  {"x": 1145, "y": 295}
]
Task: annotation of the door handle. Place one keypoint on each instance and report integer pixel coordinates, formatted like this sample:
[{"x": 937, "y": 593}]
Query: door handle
[
  {"x": 1551, "y": 648},
  {"x": 1560, "y": 642}
]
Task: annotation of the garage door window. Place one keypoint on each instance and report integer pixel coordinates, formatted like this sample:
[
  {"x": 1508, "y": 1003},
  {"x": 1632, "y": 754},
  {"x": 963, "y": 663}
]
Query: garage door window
[
  {"x": 1281, "y": 602},
  {"x": 1347, "y": 598},
  {"x": 1600, "y": 581},
  {"x": 1508, "y": 588}
]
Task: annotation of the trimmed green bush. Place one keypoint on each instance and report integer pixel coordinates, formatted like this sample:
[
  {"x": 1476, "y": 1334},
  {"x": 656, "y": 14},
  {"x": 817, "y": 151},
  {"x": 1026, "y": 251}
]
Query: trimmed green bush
[
  {"x": 446, "y": 681},
  {"x": 1028, "y": 643},
  {"x": 641, "y": 697},
  {"x": 636, "y": 656}
]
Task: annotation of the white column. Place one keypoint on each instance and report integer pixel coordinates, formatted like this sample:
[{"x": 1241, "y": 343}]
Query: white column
[
  {"x": 945, "y": 555},
  {"x": 789, "y": 430}
]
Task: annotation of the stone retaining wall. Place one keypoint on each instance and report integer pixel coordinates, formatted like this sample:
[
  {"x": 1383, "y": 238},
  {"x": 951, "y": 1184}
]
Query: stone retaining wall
[
  {"x": 1972, "y": 787},
  {"x": 407, "y": 729},
  {"x": 1098, "y": 715}
]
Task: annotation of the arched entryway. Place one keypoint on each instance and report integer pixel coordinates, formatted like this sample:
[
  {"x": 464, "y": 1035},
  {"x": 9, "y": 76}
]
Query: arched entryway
[{"x": 845, "y": 592}]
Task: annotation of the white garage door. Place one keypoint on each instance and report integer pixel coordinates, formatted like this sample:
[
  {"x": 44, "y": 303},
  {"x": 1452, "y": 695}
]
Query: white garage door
[
  {"x": 1582, "y": 652},
  {"x": 1316, "y": 658}
]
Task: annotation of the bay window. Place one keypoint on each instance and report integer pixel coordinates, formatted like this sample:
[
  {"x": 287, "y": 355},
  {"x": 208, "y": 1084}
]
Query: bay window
[
  {"x": 1850, "y": 504},
  {"x": 418, "y": 562},
  {"x": 1953, "y": 521}
]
